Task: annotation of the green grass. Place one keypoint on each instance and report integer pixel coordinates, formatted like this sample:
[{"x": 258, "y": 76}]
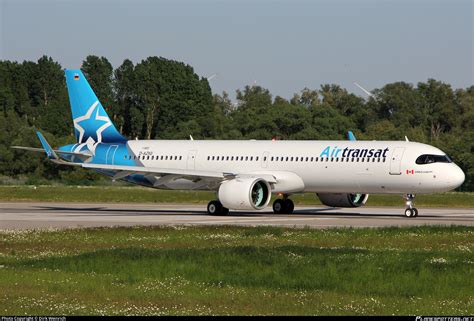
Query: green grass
[
  {"x": 237, "y": 270},
  {"x": 102, "y": 194}
]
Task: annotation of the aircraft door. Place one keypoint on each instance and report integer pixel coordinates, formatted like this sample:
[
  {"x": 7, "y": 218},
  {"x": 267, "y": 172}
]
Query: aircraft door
[
  {"x": 396, "y": 161},
  {"x": 191, "y": 161},
  {"x": 111, "y": 154}
]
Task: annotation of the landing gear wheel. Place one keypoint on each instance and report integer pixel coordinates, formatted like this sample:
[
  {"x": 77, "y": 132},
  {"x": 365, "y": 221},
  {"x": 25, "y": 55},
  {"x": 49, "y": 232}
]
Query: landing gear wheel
[
  {"x": 289, "y": 206},
  {"x": 283, "y": 206},
  {"x": 279, "y": 206},
  {"x": 216, "y": 208},
  {"x": 410, "y": 211}
]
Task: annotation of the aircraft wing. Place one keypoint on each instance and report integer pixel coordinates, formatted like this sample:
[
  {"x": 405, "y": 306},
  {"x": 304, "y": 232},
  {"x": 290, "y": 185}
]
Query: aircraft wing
[
  {"x": 129, "y": 170},
  {"x": 123, "y": 171}
]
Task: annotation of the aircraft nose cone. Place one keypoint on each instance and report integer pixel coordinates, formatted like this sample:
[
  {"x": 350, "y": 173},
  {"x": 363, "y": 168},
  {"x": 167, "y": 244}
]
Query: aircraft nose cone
[{"x": 457, "y": 177}]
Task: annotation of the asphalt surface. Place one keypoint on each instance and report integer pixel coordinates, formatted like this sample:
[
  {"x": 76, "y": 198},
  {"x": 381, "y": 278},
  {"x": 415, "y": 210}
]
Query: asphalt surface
[{"x": 72, "y": 215}]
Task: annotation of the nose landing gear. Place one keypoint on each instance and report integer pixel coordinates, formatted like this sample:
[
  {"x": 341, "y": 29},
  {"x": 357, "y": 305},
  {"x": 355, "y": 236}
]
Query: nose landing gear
[{"x": 410, "y": 211}]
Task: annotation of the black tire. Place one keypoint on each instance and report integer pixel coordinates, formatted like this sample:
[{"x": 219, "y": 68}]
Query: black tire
[
  {"x": 214, "y": 208},
  {"x": 415, "y": 212},
  {"x": 289, "y": 206},
  {"x": 279, "y": 206},
  {"x": 409, "y": 212},
  {"x": 224, "y": 211}
]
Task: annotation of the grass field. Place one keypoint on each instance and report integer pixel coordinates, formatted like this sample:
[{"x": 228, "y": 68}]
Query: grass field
[
  {"x": 101, "y": 194},
  {"x": 237, "y": 270}
]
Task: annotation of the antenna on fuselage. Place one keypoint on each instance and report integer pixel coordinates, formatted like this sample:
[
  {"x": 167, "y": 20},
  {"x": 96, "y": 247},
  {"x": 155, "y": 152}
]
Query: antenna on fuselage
[{"x": 191, "y": 137}]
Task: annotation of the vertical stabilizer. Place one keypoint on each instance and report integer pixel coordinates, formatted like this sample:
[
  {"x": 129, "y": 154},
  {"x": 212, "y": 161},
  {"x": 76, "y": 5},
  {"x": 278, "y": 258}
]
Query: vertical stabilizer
[{"x": 92, "y": 125}]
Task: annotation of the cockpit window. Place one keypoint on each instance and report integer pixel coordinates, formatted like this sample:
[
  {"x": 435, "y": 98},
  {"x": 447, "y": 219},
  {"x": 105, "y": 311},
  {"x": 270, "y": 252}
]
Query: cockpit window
[{"x": 428, "y": 159}]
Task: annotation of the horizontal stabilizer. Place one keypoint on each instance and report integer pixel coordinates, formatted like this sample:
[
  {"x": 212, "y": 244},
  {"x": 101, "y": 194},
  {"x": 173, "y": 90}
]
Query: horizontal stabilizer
[
  {"x": 47, "y": 148},
  {"x": 35, "y": 149}
]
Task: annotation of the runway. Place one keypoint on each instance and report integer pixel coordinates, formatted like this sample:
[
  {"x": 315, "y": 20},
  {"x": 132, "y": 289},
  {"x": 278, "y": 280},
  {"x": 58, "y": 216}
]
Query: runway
[{"x": 76, "y": 215}]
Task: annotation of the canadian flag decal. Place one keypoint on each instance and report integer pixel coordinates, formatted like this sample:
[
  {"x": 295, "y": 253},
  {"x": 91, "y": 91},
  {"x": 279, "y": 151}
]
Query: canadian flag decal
[{"x": 410, "y": 171}]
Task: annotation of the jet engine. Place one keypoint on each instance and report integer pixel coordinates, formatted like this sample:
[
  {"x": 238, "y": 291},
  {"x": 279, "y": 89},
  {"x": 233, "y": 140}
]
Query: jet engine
[
  {"x": 245, "y": 193},
  {"x": 343, "y": 200}
]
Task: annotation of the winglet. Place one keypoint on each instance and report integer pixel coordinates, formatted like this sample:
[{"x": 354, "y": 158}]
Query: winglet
[
  {"x": 49, "y": 151},
  {"x": 350, "y": 135}
]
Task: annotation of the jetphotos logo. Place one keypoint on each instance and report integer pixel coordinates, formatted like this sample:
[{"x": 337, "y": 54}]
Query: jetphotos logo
[{"x": 353, "y": 152}]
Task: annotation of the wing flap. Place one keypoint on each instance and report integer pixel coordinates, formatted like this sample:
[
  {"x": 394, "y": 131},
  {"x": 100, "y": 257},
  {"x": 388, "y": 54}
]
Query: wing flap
[{"x": 158, "y": 171}]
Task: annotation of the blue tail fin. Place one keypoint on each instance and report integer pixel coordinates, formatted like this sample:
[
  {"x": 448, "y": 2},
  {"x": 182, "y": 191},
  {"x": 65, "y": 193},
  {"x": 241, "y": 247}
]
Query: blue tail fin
[{"x": 91, "y": 122}]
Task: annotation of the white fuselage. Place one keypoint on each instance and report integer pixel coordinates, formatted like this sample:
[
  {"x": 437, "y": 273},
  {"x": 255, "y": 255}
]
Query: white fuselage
[{"x": 304, "y": 166}]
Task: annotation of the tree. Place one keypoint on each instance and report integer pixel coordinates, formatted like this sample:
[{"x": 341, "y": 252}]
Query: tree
[
  {"x": 99, "y": 73},
  {"x": 126, "y": 97},
  {"x": 306, "y": 97},
  {"x": 401, "y": 104},
  {"x": 442, "y": 113}
]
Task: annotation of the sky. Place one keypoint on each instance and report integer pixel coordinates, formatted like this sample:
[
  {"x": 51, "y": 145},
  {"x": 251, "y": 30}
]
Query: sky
[{"x": 283, "y": 46}]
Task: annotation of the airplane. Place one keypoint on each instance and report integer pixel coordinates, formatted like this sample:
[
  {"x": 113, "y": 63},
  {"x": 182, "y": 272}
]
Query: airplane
[{"x": 245, "y": 173}]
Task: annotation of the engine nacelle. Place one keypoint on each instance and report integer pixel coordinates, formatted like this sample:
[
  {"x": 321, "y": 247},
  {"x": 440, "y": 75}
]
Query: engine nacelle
[
  {"x": 343, "y": 200},
  {"x": 245, "y": 193}
]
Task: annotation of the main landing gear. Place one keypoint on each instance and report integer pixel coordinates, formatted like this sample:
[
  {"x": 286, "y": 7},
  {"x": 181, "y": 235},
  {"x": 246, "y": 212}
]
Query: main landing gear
[
  {"x": 410, "y": 211},
  {"x": 216, "y": 208},
  {"x": 283, "y": 206}
]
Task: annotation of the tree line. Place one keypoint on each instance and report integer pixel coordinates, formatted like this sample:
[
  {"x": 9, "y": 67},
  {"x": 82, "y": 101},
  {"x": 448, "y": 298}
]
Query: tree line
[{"x": 159, "y": 98}]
